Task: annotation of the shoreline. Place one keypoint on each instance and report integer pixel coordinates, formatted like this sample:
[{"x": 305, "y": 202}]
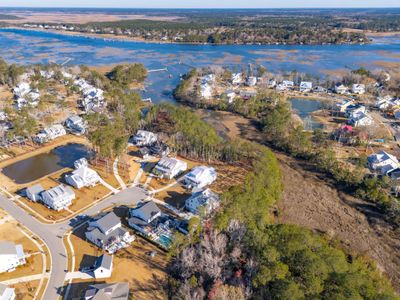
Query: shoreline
[{"x": 124, "y": 38}]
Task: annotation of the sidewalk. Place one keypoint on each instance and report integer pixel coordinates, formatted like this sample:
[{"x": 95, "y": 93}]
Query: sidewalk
[
  {"x": 116, "y": 174},
  {"x": 26, "y": 278}
]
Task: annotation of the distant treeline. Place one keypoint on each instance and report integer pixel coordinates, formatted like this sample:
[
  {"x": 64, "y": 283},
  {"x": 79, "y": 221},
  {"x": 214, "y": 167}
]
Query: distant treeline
[{"x": 249, "y": 26}]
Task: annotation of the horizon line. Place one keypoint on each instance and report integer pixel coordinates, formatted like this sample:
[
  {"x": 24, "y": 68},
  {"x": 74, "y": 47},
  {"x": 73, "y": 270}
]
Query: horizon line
[{"x": 202, "y": 8}]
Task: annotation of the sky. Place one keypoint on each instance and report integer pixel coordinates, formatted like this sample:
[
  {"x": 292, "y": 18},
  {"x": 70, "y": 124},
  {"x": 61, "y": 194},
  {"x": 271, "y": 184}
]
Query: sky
[{"x": 199, "y": 3}]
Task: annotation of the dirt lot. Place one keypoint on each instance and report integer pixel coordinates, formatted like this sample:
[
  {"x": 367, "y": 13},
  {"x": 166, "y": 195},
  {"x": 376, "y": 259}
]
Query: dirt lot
[
  {"x": 145, "y": 275},
  {"x": 310, "y": 202},
  {"x": 25, "y": 290}
]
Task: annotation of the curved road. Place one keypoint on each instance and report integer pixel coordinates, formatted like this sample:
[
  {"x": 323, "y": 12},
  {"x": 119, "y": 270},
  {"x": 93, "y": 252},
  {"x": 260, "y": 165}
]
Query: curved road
[{"x": 52, "y": 234}]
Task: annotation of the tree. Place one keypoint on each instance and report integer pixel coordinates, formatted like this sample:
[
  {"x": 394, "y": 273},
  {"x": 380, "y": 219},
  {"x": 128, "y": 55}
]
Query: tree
[{"x": 126, "y": 74}]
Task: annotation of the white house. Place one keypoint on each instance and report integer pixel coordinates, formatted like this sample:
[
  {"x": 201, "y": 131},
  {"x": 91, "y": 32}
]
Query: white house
[
  {"x": 340, "y": 88},
  {"x": 103, "y": 266},
  {"x": 382, "y": 162},
  {"x": 354, "y": 110},
  {"x": 358, "y": 88},
  {"x": 288, "y": 84},
  {"x": 50, "y": 133},
  {"x": 107, "y": 233},
  {"x": 46, "y": 74},
  {"x": 144, "y": 138},
  {"x": 209, "y": 78},
  {"x": 3, "y": 116},
  {"x": 361, "y": 119},
  {"x": 306, "y": 86},
  {"x": 58, "y": 198},
  {"x": 82, "y": 176},
  {"x": 92, "y": 97},
  {"x": 231, "y": 95},
  {"x": 6, "y": 293},
  {"x": 320, "y": 89},
  {"x": 34, "y": 192},
  {"x": 236, "y": 78},
  {"x": 11, "y": 256},
  {"x": 169, "y": 167},
  {"x": 76, "y": 125},
  {"x": 21, "y": 89},
  {"x": 82, "y": 162},
  {"x": 206, "y": 90},
  {"x": 280, "y": 87},
  {"x": 200, "y": 177},
  {"x": 204, "y": 201},
  {"x": 343, "y": 106},
  {"x": 271, "y": 83},
  {"x": 383, "y": 103},
  {"x": 251, "y": 81}
]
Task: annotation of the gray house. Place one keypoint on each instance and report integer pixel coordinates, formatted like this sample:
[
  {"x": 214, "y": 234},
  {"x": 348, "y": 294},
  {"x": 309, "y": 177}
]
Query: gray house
[
  {"x": 33, "y": 192},
  {"x": 107, "y": 233},
  {"x": 112, "y": 291}
]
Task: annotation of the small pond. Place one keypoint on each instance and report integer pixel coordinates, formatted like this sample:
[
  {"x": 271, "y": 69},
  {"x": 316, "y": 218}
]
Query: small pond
[
  {"x": 304, "y": 108},
  {"x": 38, "y": 166}
]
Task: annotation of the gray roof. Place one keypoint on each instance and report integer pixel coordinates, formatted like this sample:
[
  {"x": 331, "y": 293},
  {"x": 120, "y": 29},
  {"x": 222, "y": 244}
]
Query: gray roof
[
  {"x": 149, "y": 209},
  {"x": 2, "y": 288},
  {"x": 104, "y": 261},
  {"x": 107, "y": 222},
  {"x": 35, "y": 189},
  {"x": 113, "y": 291},
  {"x": 109, "y": 238},
  {"x": 59, "y": 191},
  {"x": 8, "y": 248}
]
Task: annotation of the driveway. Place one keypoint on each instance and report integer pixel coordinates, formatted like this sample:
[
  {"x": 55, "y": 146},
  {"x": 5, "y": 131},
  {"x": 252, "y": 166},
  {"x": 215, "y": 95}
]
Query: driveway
[{"x": 52, "y": 234}]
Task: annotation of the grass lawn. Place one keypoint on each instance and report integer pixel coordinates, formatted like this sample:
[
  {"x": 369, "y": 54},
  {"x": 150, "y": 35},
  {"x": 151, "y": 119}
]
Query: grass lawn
[{"x": 26, "y": 290}]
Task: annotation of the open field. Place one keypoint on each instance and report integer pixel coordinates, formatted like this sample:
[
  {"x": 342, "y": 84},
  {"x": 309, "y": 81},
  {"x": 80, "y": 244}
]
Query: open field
[{"x": 145, "y": 275}]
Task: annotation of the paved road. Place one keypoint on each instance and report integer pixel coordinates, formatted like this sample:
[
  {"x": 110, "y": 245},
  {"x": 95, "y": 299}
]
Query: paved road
[{"x": 52, "y": 234}]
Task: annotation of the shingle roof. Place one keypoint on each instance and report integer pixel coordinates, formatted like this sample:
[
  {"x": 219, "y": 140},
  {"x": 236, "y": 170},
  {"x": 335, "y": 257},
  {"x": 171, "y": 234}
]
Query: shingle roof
[
  {"x": 35, "y": 189},
  {"x": 107, "y": 222},
  {"x": 104, "y": 261},
  {"x": 148, "y": 210},
  {"x": 8, "y": 248},
  {"x": 114, "y": 291}
]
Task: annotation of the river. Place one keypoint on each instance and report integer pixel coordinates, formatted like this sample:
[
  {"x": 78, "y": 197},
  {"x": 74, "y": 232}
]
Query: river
[{"x": 29, "y": 47}]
